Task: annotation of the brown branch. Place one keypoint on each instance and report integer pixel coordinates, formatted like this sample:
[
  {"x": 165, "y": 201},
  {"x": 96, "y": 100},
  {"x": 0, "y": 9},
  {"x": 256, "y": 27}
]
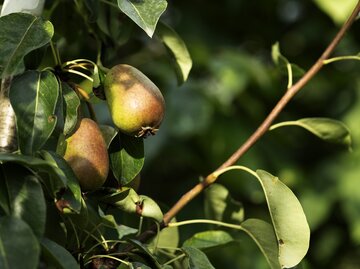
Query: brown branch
[{"x": 262, "y": 129}]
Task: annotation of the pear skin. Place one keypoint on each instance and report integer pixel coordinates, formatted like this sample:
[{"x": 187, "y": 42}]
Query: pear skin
[
  {"x": 136, "y": 104},
  {"x": 86, "y": 153}
]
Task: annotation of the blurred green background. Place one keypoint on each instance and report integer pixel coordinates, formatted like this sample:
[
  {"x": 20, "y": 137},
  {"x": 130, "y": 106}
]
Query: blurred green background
[{"x": 232, "y": 87}]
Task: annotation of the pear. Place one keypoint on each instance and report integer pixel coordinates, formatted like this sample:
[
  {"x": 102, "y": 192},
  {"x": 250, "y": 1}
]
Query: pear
[
  {"x": 136, "y": 104},
  {"x": 86, "y": 153}
]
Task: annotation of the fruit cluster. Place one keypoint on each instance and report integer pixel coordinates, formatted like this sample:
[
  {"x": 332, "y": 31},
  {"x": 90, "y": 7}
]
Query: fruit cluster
[{"x": 137, "y": 109}]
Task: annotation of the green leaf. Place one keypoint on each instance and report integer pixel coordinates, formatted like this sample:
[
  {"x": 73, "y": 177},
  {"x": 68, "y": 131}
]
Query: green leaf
[
  {"x": 71, "y": 106},
  {"x": 290, "y": 224},
  {"x": 326, "y": 129},
  {"x": 39, "y": 166},
  {"x": 338, "y": 11},
  {"x": 208, "y": 239},
  {"x": 73, "y": 193},
  {"x": 20, "y": 34},
  {"x": 283, "y": 63},
  {"x": 146, "y": 251},
  {"x": 19, "y": 246},
  {"x": 219, "y": 205},
  {"x": 150, "y": 209},
  {"x": 109, "y": 133},
  {"x": 128, "y": 160},
  {"x": 178, "y": 50},
  {"x": 197, "y": 258},
  {"x": 145, "y": 13},
  {"x": 124, "y": 198},
  {"x": 56, "y": 256},
  {"x": 25, "y": 196},
  {"x": 139, "y": 265},
  {"x": 33, "y": 96},
  {"x": 263, "y": 235}
]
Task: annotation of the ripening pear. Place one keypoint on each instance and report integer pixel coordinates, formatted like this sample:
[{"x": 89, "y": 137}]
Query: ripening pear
[
  {"x": 136, "y": 104},
  {"x": 86, "y": 153}
]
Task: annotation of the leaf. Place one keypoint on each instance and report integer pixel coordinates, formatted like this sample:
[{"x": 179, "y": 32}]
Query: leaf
[
  {"x": 150, "y": 209},
  {"x": 124, "y": 198},
  {"x": 73, "y": 194},
  {"x": 39, "y": 166},
  {"x": 208, "y": 239},
  {"x": 25, "y": 197},
  {"x": 178, "y": 50},
  {"x": 146, "y": 251},
  {"x": 128, "y": 160},
  {"x": 71, "y": 106},
  {"x": 109, "y": 133},
  {"x": 18, "y": 245},
  {"x": 219, "y": 205},
  {"x": 139, "y": 265},
  {"x": 338, "y": 11},
  {"x": 263, "y": 235},
  {"x": 197, "y": 258},
  {"x": 283, "y": 63},
  {"x": 290, "y": 224},
  {"x": 56, "y": 256},
  {"x": 20, "y": 34},
  {"x": 33, "y": 96},
  {"x": 145, "y": 13},
  {"x": 326, "y": 129}
]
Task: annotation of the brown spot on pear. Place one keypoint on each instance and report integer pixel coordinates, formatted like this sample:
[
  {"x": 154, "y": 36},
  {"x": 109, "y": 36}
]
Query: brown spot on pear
[
  {"x": 86, "y": 153},
  {"x": 136, "y": 104}
]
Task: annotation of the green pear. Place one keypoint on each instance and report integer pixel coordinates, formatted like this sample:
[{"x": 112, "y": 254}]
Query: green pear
[
  {"x": 86, "y": 153},
  {"x": 136, "y": 104}
]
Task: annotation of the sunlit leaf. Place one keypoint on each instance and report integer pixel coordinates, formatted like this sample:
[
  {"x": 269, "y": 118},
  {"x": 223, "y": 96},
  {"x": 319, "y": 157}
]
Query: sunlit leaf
[
  {"x": 290, "y": 224},
  {"x": 220, "y": 206},
  {"x": 19, "y": 245},
  {"x": 56, "y": 256},
  {"x": 150, "y": 209},
  {"x": 125, "y": 199},
  {"x": 197, "y": 258},
  {"x": 338, "y": 11},
  {"x": 263, "y": 235},
  {"x": 128, "y": 159},
  {"x": 20, "y": 34},
  {"x": 33, "y": 96},
  {"x": 178, "y": 50},
  {"x": 208, "y": 239},
  {"x": 326, "y": 129},
  {"x": 144, "y": 13}
]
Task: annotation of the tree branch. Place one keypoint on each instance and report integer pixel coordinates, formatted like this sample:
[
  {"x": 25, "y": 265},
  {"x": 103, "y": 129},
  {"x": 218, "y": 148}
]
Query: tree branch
[{"x": 260, "y": 131}]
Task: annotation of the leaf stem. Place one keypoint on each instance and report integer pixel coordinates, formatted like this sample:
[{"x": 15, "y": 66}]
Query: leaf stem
[
  {"x": 54, "y": 53},
  {"x": 342, "y": 58},
  {"x": 175, "y": 259},
  {"x": 207, "y": 221},
  {"x": 290, "y": 75},
  {"x": 109, "y": 257}
]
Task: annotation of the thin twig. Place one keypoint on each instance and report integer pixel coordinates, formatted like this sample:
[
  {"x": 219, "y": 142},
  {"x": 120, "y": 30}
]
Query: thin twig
[{"x": 260, "y": 131}]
